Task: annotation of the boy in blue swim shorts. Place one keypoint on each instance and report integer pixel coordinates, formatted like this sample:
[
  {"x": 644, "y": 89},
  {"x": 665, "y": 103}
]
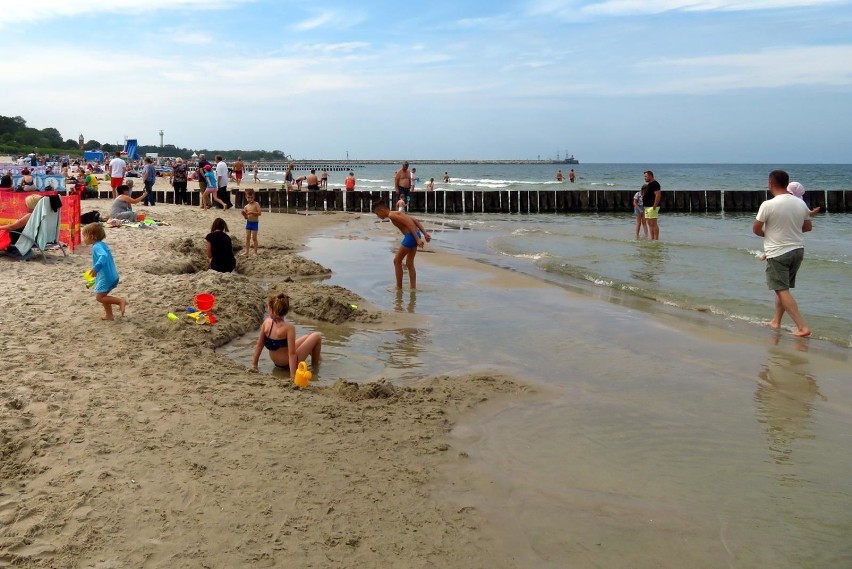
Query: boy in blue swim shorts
[
  {"x": 251, "y": 212},
  {"x": 413, "y": 237}
]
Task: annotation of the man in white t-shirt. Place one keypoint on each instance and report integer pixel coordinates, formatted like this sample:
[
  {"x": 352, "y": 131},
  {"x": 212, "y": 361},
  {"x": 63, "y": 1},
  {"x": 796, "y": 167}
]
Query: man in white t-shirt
[
  {"x": 222, "y": 179},
  {"x": 782, "y": 222},
  {"x": 117, "y": 168}
]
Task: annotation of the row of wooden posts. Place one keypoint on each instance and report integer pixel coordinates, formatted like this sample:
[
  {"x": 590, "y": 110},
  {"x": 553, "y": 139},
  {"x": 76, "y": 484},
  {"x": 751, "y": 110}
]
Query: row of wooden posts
[{"x": 520, "y": 201}]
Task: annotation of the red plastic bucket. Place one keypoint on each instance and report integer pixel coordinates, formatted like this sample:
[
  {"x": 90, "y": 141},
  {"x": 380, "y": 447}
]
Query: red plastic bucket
[{"x": 204, "y": 301}]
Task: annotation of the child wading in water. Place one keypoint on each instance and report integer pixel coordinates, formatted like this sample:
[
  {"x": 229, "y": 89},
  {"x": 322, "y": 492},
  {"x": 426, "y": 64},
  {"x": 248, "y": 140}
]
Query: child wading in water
[
  {"x": 279, "y": 337},
  {"x": 103, "y": 269},
  {"x": 413, "y": 235},
  {"x": 251, "y": 212}
]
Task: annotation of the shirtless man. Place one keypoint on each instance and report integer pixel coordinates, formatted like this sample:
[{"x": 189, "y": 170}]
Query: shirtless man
[
  {"x": 238, "y": 170},
  {"x": 402, "y": 181},
  {"x": 313, "y": 181},
  {"x": 413, "y": 237},
  {"x": 446, "y": 178},
  {"x": 572, "y": 176},
  {"x": 559, "y": 176}
]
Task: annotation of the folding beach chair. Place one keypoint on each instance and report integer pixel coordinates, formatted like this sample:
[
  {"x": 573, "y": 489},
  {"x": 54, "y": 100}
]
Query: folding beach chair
[{"x": 41, "y": 230}]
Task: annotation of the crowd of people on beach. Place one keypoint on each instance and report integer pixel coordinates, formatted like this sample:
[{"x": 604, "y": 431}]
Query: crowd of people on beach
[{"x": 781, "y": 221}]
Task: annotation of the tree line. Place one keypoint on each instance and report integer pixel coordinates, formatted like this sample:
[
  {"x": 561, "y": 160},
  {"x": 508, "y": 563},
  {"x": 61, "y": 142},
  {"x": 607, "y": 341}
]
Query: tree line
[{"x": 17, "y": 138}]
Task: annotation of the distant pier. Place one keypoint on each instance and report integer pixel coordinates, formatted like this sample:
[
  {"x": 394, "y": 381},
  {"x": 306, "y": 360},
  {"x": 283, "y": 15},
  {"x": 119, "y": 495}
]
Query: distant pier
[{"x": 455, "y": 202}]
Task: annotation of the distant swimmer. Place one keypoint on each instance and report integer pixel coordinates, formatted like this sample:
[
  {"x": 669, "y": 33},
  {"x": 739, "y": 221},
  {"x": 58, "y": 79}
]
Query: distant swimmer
[
  {"x": 559, "y": 176},
  {"x": 572, "y": 176},
  {"x": 431, "y": 185},
  {"x": 446, "y": 178}
]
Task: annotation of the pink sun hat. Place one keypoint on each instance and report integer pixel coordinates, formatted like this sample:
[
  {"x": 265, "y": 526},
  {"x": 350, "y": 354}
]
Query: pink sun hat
[{"x": 796, "y": 189}]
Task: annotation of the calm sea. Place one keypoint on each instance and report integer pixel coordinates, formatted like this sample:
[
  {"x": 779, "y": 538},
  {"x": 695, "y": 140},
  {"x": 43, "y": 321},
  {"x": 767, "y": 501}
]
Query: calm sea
[
  {"x": 677, "y": 429},
  {"x": 597, "y": 176},
  {"x": 702, "y": 262}
]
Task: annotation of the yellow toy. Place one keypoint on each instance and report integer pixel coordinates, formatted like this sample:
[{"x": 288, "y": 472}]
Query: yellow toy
[
  {"x": 172, "y": 316},
  {"x": 90, "y": 279},
  {"x": 303, "y": 376}
]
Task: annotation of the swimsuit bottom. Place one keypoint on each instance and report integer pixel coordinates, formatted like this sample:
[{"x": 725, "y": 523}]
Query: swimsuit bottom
[
  {"x": 410, "y": 241},
  {"x": 252, "y": 225}
]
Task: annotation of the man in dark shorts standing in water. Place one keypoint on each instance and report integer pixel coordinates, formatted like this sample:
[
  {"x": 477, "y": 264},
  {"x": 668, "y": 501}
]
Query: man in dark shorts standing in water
[
  {"x": 402, "y": 181},
  {"x": 651, "y": 202}
]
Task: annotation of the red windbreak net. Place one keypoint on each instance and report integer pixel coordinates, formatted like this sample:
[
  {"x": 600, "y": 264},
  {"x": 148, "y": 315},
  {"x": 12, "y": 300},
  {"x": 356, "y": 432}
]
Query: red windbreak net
[{"x": 13, "y": 208}]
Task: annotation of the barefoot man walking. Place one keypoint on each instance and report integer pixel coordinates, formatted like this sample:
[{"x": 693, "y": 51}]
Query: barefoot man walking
[{"x": 782, "y": 221}]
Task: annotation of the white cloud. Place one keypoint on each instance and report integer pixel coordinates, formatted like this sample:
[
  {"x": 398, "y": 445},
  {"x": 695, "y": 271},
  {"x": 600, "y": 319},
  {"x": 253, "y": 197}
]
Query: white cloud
[
  {"x": 16, "y": 13},
  {"x": 772, "y": 68},
  {"x": 316, "y": 22},
  {"x": 575, "y": 9}
]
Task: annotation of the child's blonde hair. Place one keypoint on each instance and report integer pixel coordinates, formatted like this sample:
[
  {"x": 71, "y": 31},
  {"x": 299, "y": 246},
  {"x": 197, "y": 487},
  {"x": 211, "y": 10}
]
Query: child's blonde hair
[
  {"x": 31, "y": 201},
  {"x": 94, "y": 232},
  {"x": 279, "y": 305}
]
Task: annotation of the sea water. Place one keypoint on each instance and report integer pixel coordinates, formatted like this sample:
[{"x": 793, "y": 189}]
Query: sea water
[
  {"x": 670, "y": 435},
  {"x": 674, "y": 429},
  {"x": 814, "y": 177}
]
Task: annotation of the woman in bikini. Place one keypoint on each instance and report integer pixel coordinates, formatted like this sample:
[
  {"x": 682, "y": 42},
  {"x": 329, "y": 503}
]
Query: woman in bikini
[{"x": 279, "y": 337}]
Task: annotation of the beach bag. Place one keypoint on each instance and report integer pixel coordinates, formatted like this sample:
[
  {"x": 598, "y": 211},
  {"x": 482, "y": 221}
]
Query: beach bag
[{"x": 90, "y": 217}]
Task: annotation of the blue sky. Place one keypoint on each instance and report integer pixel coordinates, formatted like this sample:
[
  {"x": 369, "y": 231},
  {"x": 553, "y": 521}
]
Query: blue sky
[{"x": 766, "y": 81}]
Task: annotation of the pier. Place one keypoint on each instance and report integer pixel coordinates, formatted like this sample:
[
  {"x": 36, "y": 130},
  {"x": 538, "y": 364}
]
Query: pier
[{"x": 455, "y": 202}]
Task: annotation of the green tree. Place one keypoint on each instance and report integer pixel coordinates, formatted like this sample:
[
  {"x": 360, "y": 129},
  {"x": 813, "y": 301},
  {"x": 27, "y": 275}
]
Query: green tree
[{"x": 91, "y": 145}]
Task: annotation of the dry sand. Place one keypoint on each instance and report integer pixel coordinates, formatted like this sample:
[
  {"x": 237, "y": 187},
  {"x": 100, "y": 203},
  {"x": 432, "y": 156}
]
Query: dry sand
[{"x": 134, "y": 443}]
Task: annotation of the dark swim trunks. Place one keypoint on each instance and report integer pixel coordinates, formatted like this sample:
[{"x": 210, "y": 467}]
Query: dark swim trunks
[
  {"x": 313, "y": 187},
  {"x": 404, "y": 191}
]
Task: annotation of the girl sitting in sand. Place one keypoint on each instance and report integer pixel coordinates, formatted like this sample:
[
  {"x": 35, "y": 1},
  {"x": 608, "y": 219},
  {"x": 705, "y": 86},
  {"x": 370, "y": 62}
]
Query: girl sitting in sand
[
  {"x": 279, "y": 337},
  {"x": 103, "y": 269}
]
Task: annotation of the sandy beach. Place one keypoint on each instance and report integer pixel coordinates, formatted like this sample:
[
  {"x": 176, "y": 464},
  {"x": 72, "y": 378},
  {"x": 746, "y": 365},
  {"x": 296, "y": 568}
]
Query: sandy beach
[
  {"x": 494, "y": 419},
  {"x": 134, "y": 443}
]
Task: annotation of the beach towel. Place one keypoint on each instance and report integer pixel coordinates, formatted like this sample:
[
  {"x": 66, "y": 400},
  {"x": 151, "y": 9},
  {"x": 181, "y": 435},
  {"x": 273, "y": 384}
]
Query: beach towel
[{"x": 42, "y": 228}]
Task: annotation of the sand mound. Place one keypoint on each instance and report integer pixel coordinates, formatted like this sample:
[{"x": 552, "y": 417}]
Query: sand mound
[
  {"x": 267, "y": 264},
  {"x": 351, "y": 391},
  {"x": 328, "y": 303}
]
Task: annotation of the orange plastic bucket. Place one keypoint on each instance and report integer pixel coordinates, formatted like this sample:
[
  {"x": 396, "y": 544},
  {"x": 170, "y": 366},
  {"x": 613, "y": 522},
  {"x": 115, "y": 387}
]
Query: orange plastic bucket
[{"x": 140, "y": 217}]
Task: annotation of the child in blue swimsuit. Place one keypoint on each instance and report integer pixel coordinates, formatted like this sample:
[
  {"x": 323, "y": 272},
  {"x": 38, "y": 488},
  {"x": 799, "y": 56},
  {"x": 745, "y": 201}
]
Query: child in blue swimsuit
[{"x": 279, "y": 337}]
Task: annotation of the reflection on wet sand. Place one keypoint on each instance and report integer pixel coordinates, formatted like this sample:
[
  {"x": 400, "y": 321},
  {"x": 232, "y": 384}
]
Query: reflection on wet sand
[
  {"x": 784, "y": 398},
  {"x": 652, "y": 256}
]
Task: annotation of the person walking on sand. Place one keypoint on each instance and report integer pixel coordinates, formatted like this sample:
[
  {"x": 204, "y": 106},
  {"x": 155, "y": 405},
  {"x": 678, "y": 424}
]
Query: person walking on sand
[
  {"x": 103, "y": 269},
  {"x": 651, "y": 204},
  {"x": 222, "y": 180},
  {"x": 782, "y": 222},
  {"x": 254, "y": 170},
  {"x": 413, "y": 237},
  {"x": 117, "y": 169},
  {"x": 238, "y": 170}
]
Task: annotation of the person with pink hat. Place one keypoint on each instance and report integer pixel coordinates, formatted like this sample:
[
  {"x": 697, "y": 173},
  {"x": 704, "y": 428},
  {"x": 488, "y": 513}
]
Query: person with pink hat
[{"x": 798, "y": 190}]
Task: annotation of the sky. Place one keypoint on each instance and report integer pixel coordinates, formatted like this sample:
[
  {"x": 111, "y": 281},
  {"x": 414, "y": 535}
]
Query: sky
[{"x": 653, "y": 81}]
